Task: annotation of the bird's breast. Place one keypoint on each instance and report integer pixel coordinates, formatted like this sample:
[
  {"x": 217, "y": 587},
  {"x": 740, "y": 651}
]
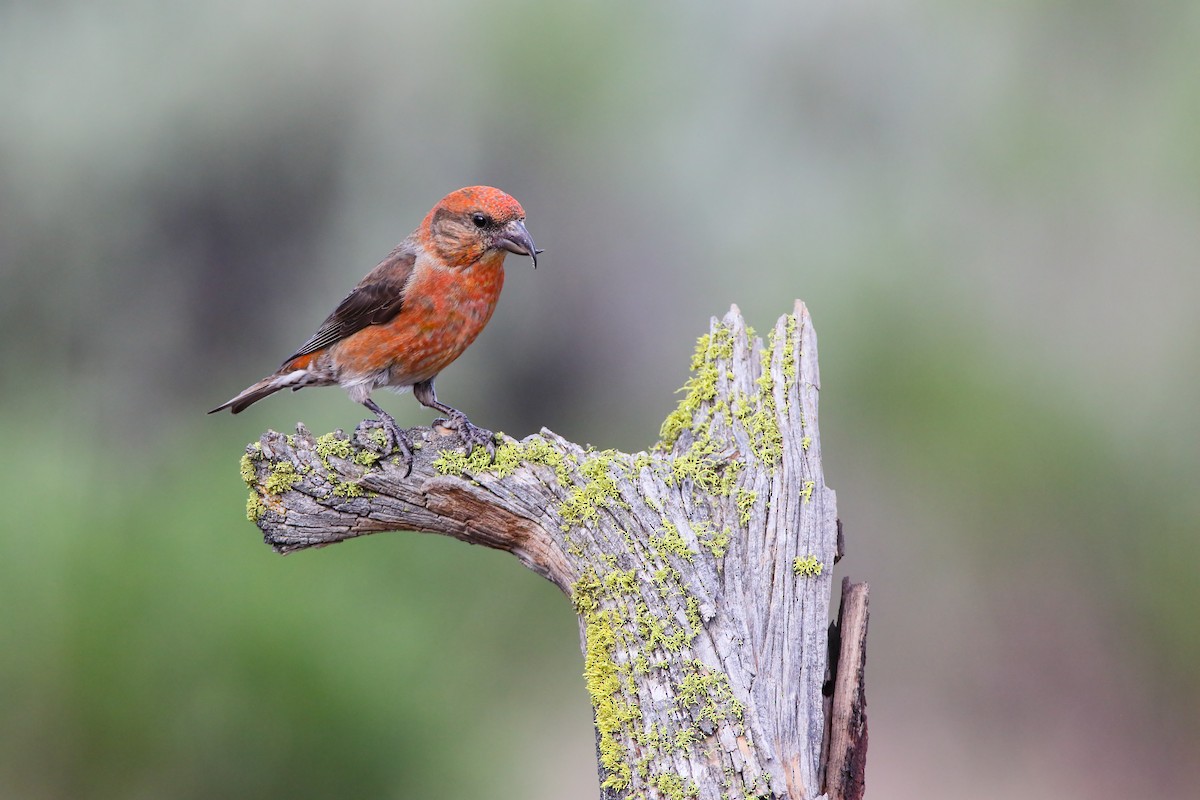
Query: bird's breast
[{"x": 444, "y": 310}]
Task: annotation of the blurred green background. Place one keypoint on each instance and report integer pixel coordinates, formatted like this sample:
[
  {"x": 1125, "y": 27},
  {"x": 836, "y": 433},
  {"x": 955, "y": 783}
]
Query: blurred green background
[{"x": 991, "y": 211}]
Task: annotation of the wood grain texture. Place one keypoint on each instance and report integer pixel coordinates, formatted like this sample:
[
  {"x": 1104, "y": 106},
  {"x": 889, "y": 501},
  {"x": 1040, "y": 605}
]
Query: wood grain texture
[
  {"x": 847, "y": 764},
  {"x": 700, "y": 568}
]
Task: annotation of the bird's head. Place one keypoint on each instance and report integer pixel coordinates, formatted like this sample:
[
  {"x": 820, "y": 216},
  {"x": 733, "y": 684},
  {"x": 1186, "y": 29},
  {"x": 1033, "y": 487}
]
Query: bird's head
[{"x": 470, "y": 223}]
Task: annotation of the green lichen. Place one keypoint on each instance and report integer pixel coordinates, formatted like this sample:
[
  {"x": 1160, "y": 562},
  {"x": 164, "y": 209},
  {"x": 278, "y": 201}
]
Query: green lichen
[
  {"x": 807, "y": 490},
  {"x": 701, "y": 388},
  {"x": 746, "y": 498},
  {"x": 641, "y": 461},
  {"x": 685, "y": 738},
  {"x": 621, "y": 580},
  {"x": 670, "y": 541},
  {"x": 766, "y": 440},
  {"x": 350, "y": 489},
  {"x": 666, "y": 578},
  {"x": 249, "y": 473},
  {"x": 716, "y": 543},
  {"x": 456, "y": 462},
  {"x": 538, "y": 451},
  {"x": 282, "y": 478},
  {"x": 709, "y": 691},
  {"x": 758, "y": 789},
  {"x": 706, "y": 473},
  {"x": 379, "y": 436},
  {"x": 255, "y": 509},
  {"x": 573, "y": 547},
  {"x": 330, "y": 445},
  {"x": 585, "y": 500},
  {"x": 508, "y": 458},
  {"x": 673, "y": 638},
  {"x": 760, "y": 415},
  {"x": 808, "y": 566},
  {"x": 805, "y": 443},
  {"x": 365, "y": 458},
  {"x": 673, "y": 786},
  {"x": 692, "y": 612},
  {"x": 602, "y": 676},
  {"x": 789, "y": 352}
]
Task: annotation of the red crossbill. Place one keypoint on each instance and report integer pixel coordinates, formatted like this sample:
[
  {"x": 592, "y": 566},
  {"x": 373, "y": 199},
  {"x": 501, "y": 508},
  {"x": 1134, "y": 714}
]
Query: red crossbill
[{"x": 413, "y": 314}]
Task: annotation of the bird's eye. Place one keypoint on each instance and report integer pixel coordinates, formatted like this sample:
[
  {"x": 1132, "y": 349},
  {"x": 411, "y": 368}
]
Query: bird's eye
[{"x": 480, "y": 219}]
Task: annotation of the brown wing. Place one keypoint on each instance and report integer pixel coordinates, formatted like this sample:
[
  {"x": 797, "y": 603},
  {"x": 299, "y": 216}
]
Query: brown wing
[{"x": 376, "y": 299}]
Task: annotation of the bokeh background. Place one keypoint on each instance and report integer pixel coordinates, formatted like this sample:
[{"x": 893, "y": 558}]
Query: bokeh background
[{"x": 992, "y": 211}]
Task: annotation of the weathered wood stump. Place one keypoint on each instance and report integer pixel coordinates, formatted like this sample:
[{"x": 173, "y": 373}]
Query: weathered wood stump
[{"x": 701, "y": 569}]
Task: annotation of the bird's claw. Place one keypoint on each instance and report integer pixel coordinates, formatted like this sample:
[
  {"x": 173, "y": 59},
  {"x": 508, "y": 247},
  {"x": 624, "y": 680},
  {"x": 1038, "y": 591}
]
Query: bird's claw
[
  {"x": 395, "y": 440},
  {"x": 471, "y": 434}
]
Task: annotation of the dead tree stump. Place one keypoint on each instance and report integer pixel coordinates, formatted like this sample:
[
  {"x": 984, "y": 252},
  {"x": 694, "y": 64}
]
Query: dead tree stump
[{"x": 701, "y": 569}]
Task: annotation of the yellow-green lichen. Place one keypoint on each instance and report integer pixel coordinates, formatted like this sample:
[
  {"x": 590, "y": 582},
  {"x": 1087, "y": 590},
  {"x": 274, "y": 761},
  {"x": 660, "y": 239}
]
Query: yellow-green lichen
[
  {"x": 789, "y": 351},
  {"x": 456, "y": 462},
  {"x": 666, "y": 578},
  {"x": 602, "y": 675},
  {"x": 716, "y": 543},
  {"x": 655, "y": 634},
  {"x": 282, "y": 478},
  {"x": 807, "y": 490},
  {"x": 621, "y": 580},
  {"x": 585, "y": 500},
  {"x": 538, "y": 451},
  {"x": 757, "y": 789},
  {"x": 808, "y": 566},
  {"x": 673, "y": 787},
  {"x": 365, "y": 458},
  {"x": 701, "y": 388},
  {"x": 685, "y": 738},
  {"x": 693, "y": 616},
  {"x": 805, "y": 443},
  {"x": 706, "y": 473},
  {"x": 746, "y": 498},
  {"x": 330, "y": 445},
  {"x": 670, "y": 541},
  {"x": 255, "y": 509},
  {"x": 350, "y": 489},
  {"x": 249, "y": 473},
  {"x": 760, "y": 415},
  {"x": 508, "y": 458},
  {"x": 709, "y": 691}
]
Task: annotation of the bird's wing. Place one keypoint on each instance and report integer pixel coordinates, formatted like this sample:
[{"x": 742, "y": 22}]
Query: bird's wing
[{"x": 376, "y": 299}]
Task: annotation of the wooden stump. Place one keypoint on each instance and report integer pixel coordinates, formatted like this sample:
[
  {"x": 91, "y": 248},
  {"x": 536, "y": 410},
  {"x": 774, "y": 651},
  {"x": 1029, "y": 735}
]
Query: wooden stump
[{"x": 701, "y": 569}]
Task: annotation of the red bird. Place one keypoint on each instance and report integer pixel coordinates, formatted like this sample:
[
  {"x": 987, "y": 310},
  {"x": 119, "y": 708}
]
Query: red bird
[{"x": 413, "y": 314}]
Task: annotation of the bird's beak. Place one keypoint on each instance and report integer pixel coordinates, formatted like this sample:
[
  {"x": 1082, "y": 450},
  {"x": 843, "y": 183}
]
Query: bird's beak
[{"x": 515, "y": 239}]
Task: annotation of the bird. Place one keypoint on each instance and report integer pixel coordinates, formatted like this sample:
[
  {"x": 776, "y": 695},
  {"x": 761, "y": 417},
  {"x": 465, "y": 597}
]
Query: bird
[{"x": 412, "y": 315}]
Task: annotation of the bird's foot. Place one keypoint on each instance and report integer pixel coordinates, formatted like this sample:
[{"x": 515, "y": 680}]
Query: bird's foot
[
  {"x": 471, "y": 434},
  {"x": 395, "y": 440}
]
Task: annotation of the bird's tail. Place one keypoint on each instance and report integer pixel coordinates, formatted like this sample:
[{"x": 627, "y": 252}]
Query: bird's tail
[{"x": 292, "y": 379}]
